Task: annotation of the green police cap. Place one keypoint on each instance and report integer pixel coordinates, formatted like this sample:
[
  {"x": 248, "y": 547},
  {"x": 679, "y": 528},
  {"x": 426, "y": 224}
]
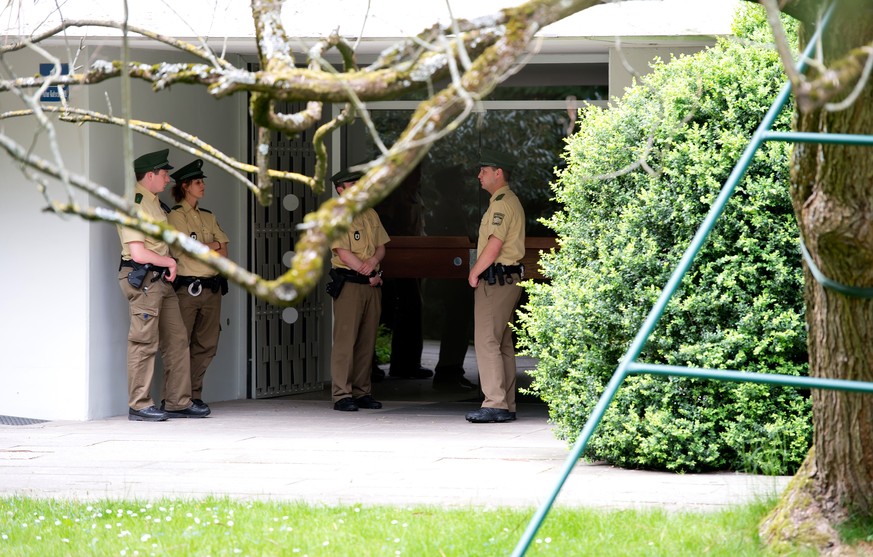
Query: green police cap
[
  {"x": 191, "y": 171},
  {"x": 346, "y": 175},
  {"x": 497, "y": 159},
  {"x": 151, "y": 162}
]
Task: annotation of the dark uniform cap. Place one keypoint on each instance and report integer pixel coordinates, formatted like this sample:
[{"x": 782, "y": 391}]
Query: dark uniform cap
[
  {"x": 346, "y": 175},
  {"x": 150, "y": 162},
  {"x": 497, "y": 159},
  {"x": 191, "y": 171}
]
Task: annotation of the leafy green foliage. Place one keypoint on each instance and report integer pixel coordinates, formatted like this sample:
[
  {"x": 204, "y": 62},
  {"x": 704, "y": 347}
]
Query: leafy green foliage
[
  {"x": 739, "y": 307},
  {"x": 383, "y": 345}
]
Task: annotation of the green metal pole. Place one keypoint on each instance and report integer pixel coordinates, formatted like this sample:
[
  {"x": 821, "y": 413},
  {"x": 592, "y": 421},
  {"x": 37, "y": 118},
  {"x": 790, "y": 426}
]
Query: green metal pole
[
  {"x": 814, "y": 137},
  {"x": 655, "y": 314},
  {"x": 749, "y": 377}
]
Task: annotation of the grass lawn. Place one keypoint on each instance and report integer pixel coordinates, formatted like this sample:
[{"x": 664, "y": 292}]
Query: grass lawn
[{"x": 218, "y": 527}]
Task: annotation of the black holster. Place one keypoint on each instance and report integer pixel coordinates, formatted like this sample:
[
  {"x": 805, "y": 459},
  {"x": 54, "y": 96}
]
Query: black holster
[
  {"x": 137, "y": 277},
  {"x": 335, "y": 286}
]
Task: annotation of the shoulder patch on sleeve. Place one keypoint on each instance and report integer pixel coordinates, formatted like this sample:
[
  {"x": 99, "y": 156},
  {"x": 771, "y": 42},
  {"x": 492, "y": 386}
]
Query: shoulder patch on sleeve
[
  {"x": 499, "y": 197},
  {"x": 137, "y": 198}
]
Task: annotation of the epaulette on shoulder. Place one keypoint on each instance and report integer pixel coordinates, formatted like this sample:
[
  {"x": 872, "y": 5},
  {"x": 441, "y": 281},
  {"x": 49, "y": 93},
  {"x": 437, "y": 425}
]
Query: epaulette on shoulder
[
  {"x": 137, "y": 198},
  {"x": 499, "y": 197},
  {"x": 176, "y": 207},
  {"x": 206, "y": 211}
]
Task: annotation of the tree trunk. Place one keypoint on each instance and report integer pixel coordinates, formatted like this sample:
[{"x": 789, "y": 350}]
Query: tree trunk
[{"x": 832, "y": 193}]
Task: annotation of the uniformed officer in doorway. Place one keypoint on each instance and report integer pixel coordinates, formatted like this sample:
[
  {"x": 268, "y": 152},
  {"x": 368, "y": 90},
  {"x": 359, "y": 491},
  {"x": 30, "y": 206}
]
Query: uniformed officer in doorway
[
  {"x": 495, "y": 276},
  {"x": 357, "y": 304},
  {"x": 198, "y": 286},
  {"x": 145, "y": 277}
]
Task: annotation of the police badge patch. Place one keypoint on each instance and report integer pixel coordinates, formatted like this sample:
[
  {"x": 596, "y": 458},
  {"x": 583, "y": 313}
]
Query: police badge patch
[{"x": 497, "y": 219}]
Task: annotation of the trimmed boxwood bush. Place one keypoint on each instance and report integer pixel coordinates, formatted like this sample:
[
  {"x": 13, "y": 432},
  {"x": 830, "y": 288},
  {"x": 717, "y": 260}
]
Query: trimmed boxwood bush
[{"x": 621, "y": 234}]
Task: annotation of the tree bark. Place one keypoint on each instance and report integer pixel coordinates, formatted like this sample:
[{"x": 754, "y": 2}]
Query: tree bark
[{"x": 832, "y": 191}]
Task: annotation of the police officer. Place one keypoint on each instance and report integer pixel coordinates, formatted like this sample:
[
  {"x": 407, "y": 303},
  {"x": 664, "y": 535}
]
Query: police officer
[
  {"x": 357, "y": 304},
  {"x": 145, "y": 277},
  {"x": 198, "y": 286},
  {"x": 495, "y": 276}
]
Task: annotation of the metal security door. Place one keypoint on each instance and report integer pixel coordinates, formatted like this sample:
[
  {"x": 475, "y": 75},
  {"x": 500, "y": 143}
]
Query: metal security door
[{"x": 286, "y": 342}]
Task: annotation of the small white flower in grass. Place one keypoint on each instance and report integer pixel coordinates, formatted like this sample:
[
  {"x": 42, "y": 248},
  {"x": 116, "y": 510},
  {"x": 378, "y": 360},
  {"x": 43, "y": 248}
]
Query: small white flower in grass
[
  {"x": 157, "y": 520},
  {"x": 539, "y": 540},
  {"x": 39, "y": 538},
  {"x": 24, "y": 524},
  {"x": 325, "y": 543},
  {"x": 145, "y": 537},
  {"x": 89, "y": 508},
  {"x": 57, "y": 522},
  {"x": 235, "y": 550},
  {"x": 548, "y": 540},
  {"x": 168, "y": 518},
  {"x": 230, "y": 522},
  {"x": 65, "y": 540},
  {"x": 396, "y": 540},
  {"x": 285, "y": 517},
  {"x": 5, "y": 536},
  {"x": 357, "y": 509},
  {"x": 124, "y": 552},
  {"x": 189, "y": 515},
  {"x": 295, "y": 550},
  {"x": 393, "y": 522}
]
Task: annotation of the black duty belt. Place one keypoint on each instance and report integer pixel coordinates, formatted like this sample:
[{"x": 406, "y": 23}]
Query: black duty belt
[
  {"x": 137, "y": 266},
  {"x": 195, "y": 285},
  {"x": 352, "y": 276},
  {"x": 502, "y": 274}
]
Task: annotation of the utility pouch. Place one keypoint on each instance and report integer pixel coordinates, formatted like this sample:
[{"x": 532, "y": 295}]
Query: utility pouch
[
  {"x": 136, "y": 278},
  {"x": 335, "y": 286}
]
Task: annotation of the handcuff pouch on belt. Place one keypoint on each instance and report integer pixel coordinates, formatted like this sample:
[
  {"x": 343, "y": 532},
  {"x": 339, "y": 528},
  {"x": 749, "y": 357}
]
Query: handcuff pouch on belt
[
  {"x": 195, "y": 285},
  {"x": 502, "y": 274}
]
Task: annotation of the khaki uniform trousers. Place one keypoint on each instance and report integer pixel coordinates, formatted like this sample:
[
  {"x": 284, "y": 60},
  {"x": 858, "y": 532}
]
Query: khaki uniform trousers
[
  {"x": 202, "y": 317},
  {"x": 355, "y": 324},
  {"x": 155, "y": 321},
  {"x": 495, "y": 351}
]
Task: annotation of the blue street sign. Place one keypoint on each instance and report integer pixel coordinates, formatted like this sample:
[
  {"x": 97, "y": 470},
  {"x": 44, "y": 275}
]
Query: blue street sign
[{"x": 53, "y": 93}]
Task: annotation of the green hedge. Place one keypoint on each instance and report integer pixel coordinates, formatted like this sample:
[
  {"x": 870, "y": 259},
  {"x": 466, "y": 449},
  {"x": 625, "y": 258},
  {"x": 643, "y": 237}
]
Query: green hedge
[{"x": 739, "y": 307}]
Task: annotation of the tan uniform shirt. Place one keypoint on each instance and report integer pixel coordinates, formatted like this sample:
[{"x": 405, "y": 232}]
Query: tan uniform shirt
[
  {"x": 504, "y": 220},
  {"x": 201, "y": 225},
  {"x": 365, "y": 235},
  {"x": 151, "y": 206}
]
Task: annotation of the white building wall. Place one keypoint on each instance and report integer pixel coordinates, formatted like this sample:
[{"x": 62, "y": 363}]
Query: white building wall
[{"x": 44, "y": 279}]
